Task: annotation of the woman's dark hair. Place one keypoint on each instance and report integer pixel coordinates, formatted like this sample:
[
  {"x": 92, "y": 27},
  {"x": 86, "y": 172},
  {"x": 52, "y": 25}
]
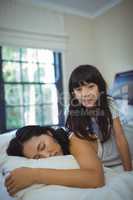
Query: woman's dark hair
[
  {"x": 79, "y": 118},
  {"x": 15, "y": 147}
]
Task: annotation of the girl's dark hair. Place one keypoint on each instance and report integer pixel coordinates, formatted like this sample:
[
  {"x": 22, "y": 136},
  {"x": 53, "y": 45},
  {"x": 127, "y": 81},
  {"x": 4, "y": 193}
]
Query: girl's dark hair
[
  {"x": 79, "y": 118},
  {"x": 15, "y": 147}
]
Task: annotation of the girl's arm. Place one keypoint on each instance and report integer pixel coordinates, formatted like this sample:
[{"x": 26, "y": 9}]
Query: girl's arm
[
  {"x": 122, "y": 145},
  {"x": 90, "y": 174}
]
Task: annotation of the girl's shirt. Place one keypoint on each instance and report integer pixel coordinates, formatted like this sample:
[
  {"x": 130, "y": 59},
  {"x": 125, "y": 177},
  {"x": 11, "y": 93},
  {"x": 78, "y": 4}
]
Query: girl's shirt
[{"x": 108, "y": 150}]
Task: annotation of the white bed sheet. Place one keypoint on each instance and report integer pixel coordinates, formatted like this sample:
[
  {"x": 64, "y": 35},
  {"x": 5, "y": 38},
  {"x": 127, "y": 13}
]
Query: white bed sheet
[
  {"x": 119, "y": 186},
  {"x": 117, "y": 190}
]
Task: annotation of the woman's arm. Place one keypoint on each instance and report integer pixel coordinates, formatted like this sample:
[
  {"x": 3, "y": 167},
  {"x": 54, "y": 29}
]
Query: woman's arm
[
  {"x": 122, "y": 145},
  {"x": 90, "y": 174}
]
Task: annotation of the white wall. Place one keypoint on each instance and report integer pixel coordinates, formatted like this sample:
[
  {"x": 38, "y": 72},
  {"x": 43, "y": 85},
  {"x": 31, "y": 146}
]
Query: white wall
[
  {"x": 23, "y": 16},
  {"x": 114, "y": 40},
  {"x": 34, "y": 26},
  {"x": 80, "y": 45}
]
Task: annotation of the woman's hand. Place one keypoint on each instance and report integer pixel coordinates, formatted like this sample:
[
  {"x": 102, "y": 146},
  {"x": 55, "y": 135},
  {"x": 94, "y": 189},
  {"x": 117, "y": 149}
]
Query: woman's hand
[{"x": 19, "y": 179}]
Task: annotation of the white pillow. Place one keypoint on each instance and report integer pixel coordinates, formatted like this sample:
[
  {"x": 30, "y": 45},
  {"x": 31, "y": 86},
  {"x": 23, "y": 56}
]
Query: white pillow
[
  {"x": 57, "y": 162},
  {"x": 4, "y": 141}
]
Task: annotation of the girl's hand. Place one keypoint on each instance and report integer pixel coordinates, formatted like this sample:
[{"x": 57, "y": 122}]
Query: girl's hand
[{"x": 19, "y": 179}]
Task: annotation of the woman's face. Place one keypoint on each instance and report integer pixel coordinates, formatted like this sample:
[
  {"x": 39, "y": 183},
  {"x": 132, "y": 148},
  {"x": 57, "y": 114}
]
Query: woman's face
[
  {"x": 87, "y": 94},
  {"x": 42, "y": 146}
]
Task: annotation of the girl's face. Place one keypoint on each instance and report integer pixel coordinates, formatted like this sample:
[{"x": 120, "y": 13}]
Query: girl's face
[
  {"x": 87, "y": 94},
  {"x": 42, "y": 146}
]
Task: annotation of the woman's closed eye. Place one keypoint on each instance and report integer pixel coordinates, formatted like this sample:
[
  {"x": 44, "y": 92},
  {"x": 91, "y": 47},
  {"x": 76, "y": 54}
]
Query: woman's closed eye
[
  {"x": 78, "y": 89},
  {"x": 36, "y": 157},
  {"x": 41, "y": 147}
]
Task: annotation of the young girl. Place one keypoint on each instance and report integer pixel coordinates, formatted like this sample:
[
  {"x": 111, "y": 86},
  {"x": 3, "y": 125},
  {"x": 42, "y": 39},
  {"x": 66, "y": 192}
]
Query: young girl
[
  {"x": 93, "y": 114},
  {"x": 41, "y": 142}
]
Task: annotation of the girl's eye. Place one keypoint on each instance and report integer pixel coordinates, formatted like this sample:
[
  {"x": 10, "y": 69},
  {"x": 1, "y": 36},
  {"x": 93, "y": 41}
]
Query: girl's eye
[
  {"x": 90, "y": 86},
  {"x": 78, "y": 89}
]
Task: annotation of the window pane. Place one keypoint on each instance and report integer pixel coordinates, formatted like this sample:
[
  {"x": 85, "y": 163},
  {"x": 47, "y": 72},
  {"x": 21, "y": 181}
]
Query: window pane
[
  {"x": 49, "y": 93},
  {"x": 29, "y": 55},
  {"x": 11, "y": 71},
  {"x": 47, "y": 73},
  {"x": 10, "y": 53},
  {"x": 50, "y": 114},
  {"x": 45, "y": 56},
  {"x": 13, "y": 94},
  {"x": 39, "y": 115},
  {"x": 32, "y": 94},
  {"x": 14, "y": 117},
  {"x": 30, "y": 72},
  {"x": 30, "y": 115}
]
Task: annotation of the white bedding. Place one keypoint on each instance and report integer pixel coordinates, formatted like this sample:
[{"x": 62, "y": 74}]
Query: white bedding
[
  {"x": 119, "y": 187},
  {"x": 119, "y": 184}
]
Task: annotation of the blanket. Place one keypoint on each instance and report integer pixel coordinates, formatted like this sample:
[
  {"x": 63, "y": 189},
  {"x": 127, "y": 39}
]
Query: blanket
[{"x": 118, "y": 187}]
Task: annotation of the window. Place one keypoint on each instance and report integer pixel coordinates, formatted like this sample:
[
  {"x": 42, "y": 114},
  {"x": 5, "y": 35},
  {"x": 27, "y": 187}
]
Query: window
[{"x": 30, "y": 85}]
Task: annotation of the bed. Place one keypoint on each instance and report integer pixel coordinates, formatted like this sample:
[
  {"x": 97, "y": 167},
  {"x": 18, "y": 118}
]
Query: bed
[{"x": 119, "y": 184}]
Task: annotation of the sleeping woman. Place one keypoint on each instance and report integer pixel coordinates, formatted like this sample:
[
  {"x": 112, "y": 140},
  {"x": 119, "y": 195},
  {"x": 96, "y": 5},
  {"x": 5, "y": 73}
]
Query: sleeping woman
[{"x": 42, "y": 142}]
